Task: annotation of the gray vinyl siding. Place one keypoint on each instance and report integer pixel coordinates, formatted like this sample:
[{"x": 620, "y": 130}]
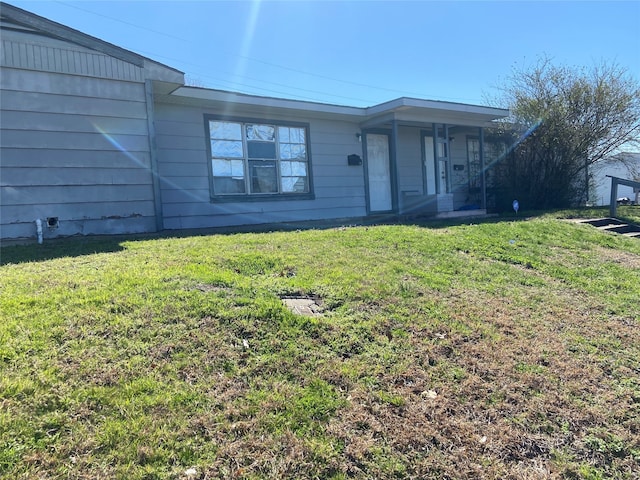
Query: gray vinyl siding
[
  {"x": 183, "y": 168},
  {"x": 75, "y": 147},
  {"x": 29, "y": 51}
]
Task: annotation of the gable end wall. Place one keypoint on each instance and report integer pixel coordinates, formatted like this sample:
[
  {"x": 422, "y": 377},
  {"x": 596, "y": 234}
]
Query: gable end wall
[
  {"x": 33, "y": 52},
  {"x": 74, "y": 141}
]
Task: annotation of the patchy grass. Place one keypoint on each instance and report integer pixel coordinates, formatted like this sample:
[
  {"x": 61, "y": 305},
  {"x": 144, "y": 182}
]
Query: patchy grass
[{"x": 506, "y": 349}]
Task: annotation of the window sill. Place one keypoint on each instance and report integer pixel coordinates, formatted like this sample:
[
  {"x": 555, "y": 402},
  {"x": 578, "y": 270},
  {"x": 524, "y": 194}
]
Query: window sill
[{"x": 280, "y": 197}]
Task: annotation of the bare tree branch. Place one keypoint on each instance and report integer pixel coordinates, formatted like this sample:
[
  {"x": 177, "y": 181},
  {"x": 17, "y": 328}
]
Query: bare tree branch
[{"x": 564, "y": 120}]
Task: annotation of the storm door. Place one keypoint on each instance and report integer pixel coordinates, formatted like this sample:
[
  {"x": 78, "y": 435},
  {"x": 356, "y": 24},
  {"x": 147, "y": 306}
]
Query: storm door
[
  {"x": 429, "y": 170},
  {"x": 379, "y": 173}
]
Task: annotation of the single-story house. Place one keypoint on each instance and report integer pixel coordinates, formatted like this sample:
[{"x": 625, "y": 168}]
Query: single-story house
[{"x": 96, "y": 139}]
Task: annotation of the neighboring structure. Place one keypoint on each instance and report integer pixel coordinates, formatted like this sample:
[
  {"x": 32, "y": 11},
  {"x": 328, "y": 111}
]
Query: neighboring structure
[
  {"x": 98, "y": 140},
  {"x": 628, "y": 168}
]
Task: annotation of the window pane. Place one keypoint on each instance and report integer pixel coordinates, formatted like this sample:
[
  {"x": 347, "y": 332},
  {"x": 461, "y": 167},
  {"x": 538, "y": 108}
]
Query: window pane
[
  {"x": 299, "y": 169},
  {"x": 263, "y": 176},
  {"x": 294, "y": 184},
  {"x": 285, "y": 151},
  {"x": 227, "y": 168},
  {"x": 283, "y": 134},
  {"x": 261, "y": 132},
  {"x": 226, "y": 185},
  {"x": 221, "y": 168},
  {"x": 226, "y": 148},
  {"x": 237, "y": 168},
  {"x": 225, "y": 130},
  {"x": 290, "y": 151},
  {"x": 297, "y": 135},
  {"x": 298, "y": 151},
  {"x": 261, "y": 150},
  {"x": 293, "y": 169},
  {"x": 291, "y": 135}
]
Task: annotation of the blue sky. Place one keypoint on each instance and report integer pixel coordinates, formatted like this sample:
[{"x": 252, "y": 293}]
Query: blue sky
[{"x": 358, "y": 52}]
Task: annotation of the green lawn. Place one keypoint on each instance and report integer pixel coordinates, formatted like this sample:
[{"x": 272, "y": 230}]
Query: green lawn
[{"x": 502, "y": 349}]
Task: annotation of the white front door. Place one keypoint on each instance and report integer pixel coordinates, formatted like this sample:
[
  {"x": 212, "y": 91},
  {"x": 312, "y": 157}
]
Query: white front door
[
  {"x": 379, "y": 173},
  {"x": 429, "y": 167}
]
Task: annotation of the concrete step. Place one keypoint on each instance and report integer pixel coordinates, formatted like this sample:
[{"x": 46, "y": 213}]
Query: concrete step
[{"x": 615, "y": 225}]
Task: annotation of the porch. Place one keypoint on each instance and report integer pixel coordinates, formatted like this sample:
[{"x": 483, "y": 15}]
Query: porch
[{"x": 426, "y": 158}]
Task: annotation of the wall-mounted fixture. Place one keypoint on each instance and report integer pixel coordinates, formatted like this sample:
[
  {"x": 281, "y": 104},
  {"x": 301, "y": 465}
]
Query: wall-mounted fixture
[
  {"x": 458, "y": 168},
  {"x": 359, "y": 136},
  {"x": 354, "y": 159},
  {"x": 52, "y": 222}
]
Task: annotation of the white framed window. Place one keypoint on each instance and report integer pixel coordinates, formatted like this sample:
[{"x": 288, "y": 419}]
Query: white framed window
[{"x": 257, "y": 159}]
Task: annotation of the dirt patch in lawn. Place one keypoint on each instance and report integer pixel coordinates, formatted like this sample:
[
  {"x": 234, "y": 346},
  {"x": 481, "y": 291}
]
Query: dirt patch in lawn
[
  {"x": 626, "y": 259},
  {"x": 503, "y": 397}
]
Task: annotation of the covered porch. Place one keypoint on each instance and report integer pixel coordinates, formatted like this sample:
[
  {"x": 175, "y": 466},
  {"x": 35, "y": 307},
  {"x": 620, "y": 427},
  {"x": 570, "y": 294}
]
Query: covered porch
[{"x": 426, "y": 158}]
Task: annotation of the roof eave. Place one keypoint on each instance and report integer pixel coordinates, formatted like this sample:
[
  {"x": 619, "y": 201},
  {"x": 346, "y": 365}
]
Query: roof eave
[
  {"x": 406, "y": 103},
  {"x": 62, "y": 32},
  {"x": 212, "y": 96},
  {"x": 408, "y": 110}
]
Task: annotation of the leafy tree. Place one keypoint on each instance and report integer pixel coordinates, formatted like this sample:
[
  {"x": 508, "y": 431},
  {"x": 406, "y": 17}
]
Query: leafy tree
[{"x": 563, "y": 121}]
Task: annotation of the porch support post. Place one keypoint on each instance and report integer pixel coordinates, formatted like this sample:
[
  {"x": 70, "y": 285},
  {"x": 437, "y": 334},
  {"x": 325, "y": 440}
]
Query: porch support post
[
  {"x": 447, "y": 144},
  {"x": 483, "y": 185},
  {"x": 395, "y": 188},
  {"x": 436, "y": 160},
  {"x": 613, "y": 204}
]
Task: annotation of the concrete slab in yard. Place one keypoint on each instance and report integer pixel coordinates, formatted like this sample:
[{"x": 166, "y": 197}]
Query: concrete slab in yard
[
  {"x": 615, "y": 226},
  {"x": 302, "y": 306}
]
